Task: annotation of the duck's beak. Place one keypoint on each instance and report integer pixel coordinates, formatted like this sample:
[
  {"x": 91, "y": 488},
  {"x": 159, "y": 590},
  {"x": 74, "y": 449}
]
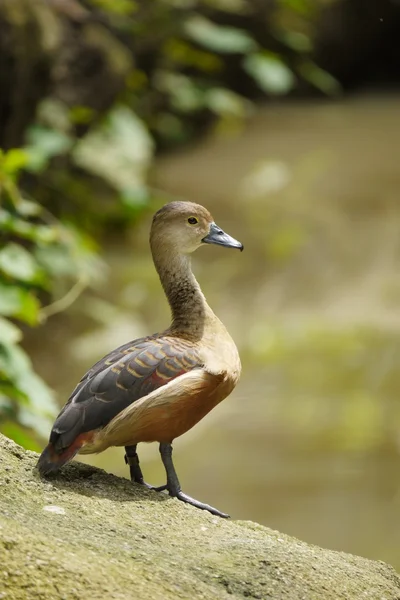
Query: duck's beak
[{"x": 219, "y": 237}]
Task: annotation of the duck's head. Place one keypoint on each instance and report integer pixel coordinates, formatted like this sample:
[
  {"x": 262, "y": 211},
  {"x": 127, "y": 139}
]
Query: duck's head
[{"x": 185, "y": 226}]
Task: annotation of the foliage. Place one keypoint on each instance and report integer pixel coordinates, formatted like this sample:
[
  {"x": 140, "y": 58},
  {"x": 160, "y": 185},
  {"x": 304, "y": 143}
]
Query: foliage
[
  {"x": 244, "y": 49},
  {"x": 35, "y": 251}
]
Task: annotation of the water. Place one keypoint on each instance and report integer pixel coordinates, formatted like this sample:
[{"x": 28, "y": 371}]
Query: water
[{"x": 309, "y": 441}]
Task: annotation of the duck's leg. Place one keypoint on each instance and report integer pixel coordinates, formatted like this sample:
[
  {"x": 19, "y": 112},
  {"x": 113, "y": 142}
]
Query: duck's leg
[
  {"x": 174, "y": 487},
  {"x": 132, "y": 459}
]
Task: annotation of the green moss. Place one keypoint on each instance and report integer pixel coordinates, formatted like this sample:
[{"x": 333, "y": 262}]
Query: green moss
[{"x": 110, "y": 539}]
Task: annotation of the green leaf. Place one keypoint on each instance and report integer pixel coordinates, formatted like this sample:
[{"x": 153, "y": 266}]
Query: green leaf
[
  {"x": 14, "y": 160},
  {"x": 42, "y": 234},
  {"x": 171, "y": 127},
  {"x": 226, "y": 103},
  {"x": 320, "y": 78},
  {"x": 37, "y": 161},
  {"x": 29, "y": 308},
  {"x": 43, "y": 144},
  {"x": 226, "y": 40},
  {"x": 76, "y": 258},
  {"x": 117, "y": 7},
  {"x": 53, "y": 114},
  {"x": 135, "y": 200},
  {"x": 49, "y": 141},
  {"x": 9, "y": 333},
  {"x": 18, "y": 263},
  {"x": 81, "y": 114},
  {"x": 29, "y": 208},
  {"x": 19, "y": 303},
  {"x": 181, "y": 52},
  {"x": 185, "y": 95},
  {"x": 302, "y": 7},
  {"x": 57, "y": 261},
  {"x": 119, "y": 150},
  {"x": 19, "y": 367},
  {"x": 270, "y": 73},
  {"x": 300, "y": 42},
  {"x": 10, "y": 299}
]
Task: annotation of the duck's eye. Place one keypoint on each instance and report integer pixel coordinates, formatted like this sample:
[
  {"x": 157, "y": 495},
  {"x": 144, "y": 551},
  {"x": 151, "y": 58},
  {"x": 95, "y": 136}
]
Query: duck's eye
[{"x": 192, "y": 221}]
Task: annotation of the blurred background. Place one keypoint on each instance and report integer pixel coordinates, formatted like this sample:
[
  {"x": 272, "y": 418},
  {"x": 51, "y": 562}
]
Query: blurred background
[{"x": 283, "y": 118}]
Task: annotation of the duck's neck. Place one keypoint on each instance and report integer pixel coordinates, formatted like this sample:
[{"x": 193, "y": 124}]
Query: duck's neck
[{"x": 190, "y": 311}]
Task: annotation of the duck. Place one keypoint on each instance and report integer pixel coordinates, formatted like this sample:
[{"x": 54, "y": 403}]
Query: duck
[{"x": 156, "y": 388}]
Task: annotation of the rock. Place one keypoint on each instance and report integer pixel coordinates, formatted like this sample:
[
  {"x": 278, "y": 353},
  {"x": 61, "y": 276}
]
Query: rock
[{"x": 87, "y": 534}]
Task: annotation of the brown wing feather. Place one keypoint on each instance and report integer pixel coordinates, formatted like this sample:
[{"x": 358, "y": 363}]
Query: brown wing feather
[{"x": 119, "y": 379}]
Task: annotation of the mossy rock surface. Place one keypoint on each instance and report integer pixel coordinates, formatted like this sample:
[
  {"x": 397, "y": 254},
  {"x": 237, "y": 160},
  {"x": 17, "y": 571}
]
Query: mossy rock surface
[{"x": 87, "y": 534}]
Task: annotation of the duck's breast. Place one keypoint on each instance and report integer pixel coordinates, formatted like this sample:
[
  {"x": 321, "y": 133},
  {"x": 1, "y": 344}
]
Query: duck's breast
[
  {"x": 166, "y": 413},
  {"x": 220, "y": 356}
]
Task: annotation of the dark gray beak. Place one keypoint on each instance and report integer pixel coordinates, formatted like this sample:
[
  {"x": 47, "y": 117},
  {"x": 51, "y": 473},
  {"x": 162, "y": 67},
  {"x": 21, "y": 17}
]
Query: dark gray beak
[{"x": 219, "y": 237}]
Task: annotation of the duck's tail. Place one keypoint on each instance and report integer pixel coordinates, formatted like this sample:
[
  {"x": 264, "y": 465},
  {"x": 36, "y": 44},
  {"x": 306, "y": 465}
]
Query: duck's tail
[{"x": 50, "y": 461}]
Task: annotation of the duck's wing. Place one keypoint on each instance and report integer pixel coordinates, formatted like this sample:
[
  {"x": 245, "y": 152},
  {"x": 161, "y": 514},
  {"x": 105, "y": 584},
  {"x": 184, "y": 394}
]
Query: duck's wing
[{"x": 122, "y": 377}]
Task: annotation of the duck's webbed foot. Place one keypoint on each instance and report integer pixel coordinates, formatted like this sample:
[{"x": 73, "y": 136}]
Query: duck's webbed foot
[
  {"x": 189, "y": 500},
  {"x": 173, "y": 485},
  {"x": 132, "y": 459}
]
